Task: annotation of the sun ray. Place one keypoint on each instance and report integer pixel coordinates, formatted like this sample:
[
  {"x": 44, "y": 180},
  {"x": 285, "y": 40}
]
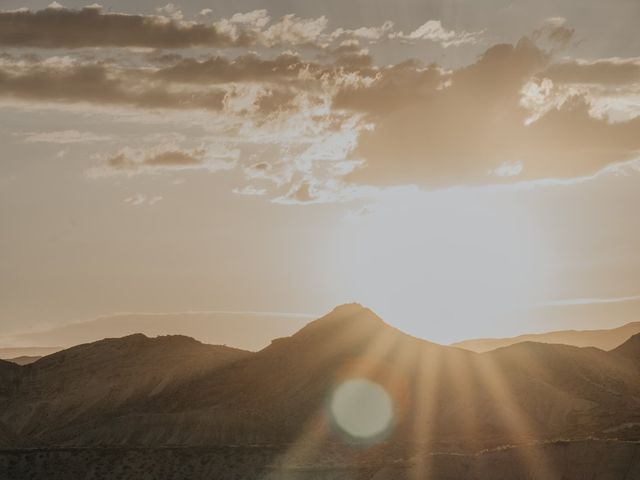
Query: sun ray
[
  {"x": 466, "y": 389},
  {"x": 519, "y": 428},
  {"x": 317, "y": 429},
  {"x": 428, "y": 371}
]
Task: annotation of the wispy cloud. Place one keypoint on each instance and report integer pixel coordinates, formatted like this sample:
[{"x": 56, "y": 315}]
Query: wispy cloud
[
  {"x": 130, "y": 161},
  {"x": 140, "y": 199},
  {"x": 434, "y": 31},
  {"x": 590, "y": 301},
  {"x": 64, "y": 137}
]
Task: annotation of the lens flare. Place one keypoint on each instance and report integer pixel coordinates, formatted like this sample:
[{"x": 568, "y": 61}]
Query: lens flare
[{"x": 361, "y": 409}]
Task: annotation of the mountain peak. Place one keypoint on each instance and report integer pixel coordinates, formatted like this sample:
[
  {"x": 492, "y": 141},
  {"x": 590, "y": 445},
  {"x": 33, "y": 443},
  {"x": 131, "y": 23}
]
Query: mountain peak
[
  {"x": 348, "y": 313},
  {"x": 350, "y": 321},
  {"x": 347, "y": 309}
]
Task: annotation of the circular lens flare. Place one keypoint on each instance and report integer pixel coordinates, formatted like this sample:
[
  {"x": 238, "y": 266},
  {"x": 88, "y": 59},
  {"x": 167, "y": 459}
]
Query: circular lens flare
[{"x": 361, "y": 409}]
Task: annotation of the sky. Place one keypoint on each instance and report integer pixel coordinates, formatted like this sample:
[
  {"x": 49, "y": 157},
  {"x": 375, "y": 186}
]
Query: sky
[{"x": 465, "y": 169}]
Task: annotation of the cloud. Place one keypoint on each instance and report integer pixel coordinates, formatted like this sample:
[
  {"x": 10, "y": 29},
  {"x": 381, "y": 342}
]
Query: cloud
[
  {"x": 250, "y": 190},
  {"x": 61, "y": 27},
  {"x": 302, "y": 193},
  {"x": 364, "y": 33},
  {"x": 99, "y": 84},
  {"x": 514, "y": 114},
  {"x": 433, "y": 30},
  {"x": 292, "y": 30},
  {"x": 64, "y": 137},
  {"x": 394, "y": 87},
  {"x": 245, "y": 68},
  {"x": 169, "y": 158},
  {"x": 555, "y": 32},
  {"x": 315, "y": 190},
  {"x": 464, "y": 130},
  {"x": 171, "y": 11},
  {"x": 165, "y": 158},
  {"x": 141, "y": 199},
  {"x": 256, "y": 18},
  {"x": 603, "y": 72},
  {"x": 208, "y": 84},
  {"x": 508, "y": 169},
  {"x": 590, "y": 301},
  {"x": 91, "y": 26}
]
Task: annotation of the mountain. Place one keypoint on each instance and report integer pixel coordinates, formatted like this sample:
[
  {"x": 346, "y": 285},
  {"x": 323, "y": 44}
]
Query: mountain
[
  {"x": 245, "y": 330},
  {"x": 603, "y": 339},
  {"x": 8, "y": 373},
  {"x": 173, "y": 390},
  {"x": 630, "y": 351},
  {"x": 9, "y": 353},
  {"x": 24, "y": 360},
  {"x": 70, "y": 386}
]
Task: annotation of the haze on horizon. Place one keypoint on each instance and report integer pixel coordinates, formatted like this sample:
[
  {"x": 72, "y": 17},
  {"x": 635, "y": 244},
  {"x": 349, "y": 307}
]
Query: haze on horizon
[{"x": 464, "y": 170}]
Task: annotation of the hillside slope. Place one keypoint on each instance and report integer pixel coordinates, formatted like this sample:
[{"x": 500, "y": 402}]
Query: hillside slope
[
  {"x": 138, "y": 391},
  {"x": 76, "y": 384},
  {"x": 629, "y": 351}
]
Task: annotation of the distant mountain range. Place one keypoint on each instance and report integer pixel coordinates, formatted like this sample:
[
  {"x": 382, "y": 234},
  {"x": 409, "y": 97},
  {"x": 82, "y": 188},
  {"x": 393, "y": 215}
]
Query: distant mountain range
[
  {"x": 246, "y": 330},
  {"x": 174, "y": 390},
  {"x": 252, "y": 331},
  {"x": 23, "y": 360},
  {"x": 605, "y": 339},
  {"x": 36, "y": 352}
]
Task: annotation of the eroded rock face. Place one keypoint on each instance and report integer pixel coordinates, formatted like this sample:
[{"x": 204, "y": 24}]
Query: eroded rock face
[{"x": 596, "y": 460}]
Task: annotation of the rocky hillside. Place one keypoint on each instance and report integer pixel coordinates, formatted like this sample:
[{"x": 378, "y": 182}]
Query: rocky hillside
[
  {"x": 142, "y": 392},
  {"x": 68, "y": 387},
  {"x": 630, "y": 351}
]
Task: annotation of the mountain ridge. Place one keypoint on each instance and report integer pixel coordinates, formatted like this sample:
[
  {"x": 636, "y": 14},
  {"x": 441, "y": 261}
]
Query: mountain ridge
[
  {"x": 147, "y": 392},
  {"x": 605, "y": 339}
]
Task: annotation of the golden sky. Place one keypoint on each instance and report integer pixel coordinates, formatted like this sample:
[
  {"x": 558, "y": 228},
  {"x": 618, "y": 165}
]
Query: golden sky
[{"x": 463, "y": 168}]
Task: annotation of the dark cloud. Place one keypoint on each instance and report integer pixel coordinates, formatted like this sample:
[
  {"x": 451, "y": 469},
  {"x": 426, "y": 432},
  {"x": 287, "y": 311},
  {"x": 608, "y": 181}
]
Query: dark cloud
[
  {"x": 92, "y": 27},
  {"x": 59, "y": 27},
  {"x": 165, "y": 158},
  {"x": 169, "y": 158},
  {"x": 187, "y": 84},
  {"x": 246, "y": 68},
  {"x": 286, "y": 67},
  {"x": 555, "y": 31},
  {"x": 175, "y": 158},
  {"x": 99, "y": 84},
  {"x": 354, "y": 61},
  {"x": 465, "y": 132},
  {"x": 260, "y": 166},
  {"x": 395, "y": 87},
  {"x": 276, "y": 100},
  {"x": 429, "y": 126}
]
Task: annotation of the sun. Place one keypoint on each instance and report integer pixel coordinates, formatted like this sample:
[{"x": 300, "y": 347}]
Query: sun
[{"x": 442, "y": 265}]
